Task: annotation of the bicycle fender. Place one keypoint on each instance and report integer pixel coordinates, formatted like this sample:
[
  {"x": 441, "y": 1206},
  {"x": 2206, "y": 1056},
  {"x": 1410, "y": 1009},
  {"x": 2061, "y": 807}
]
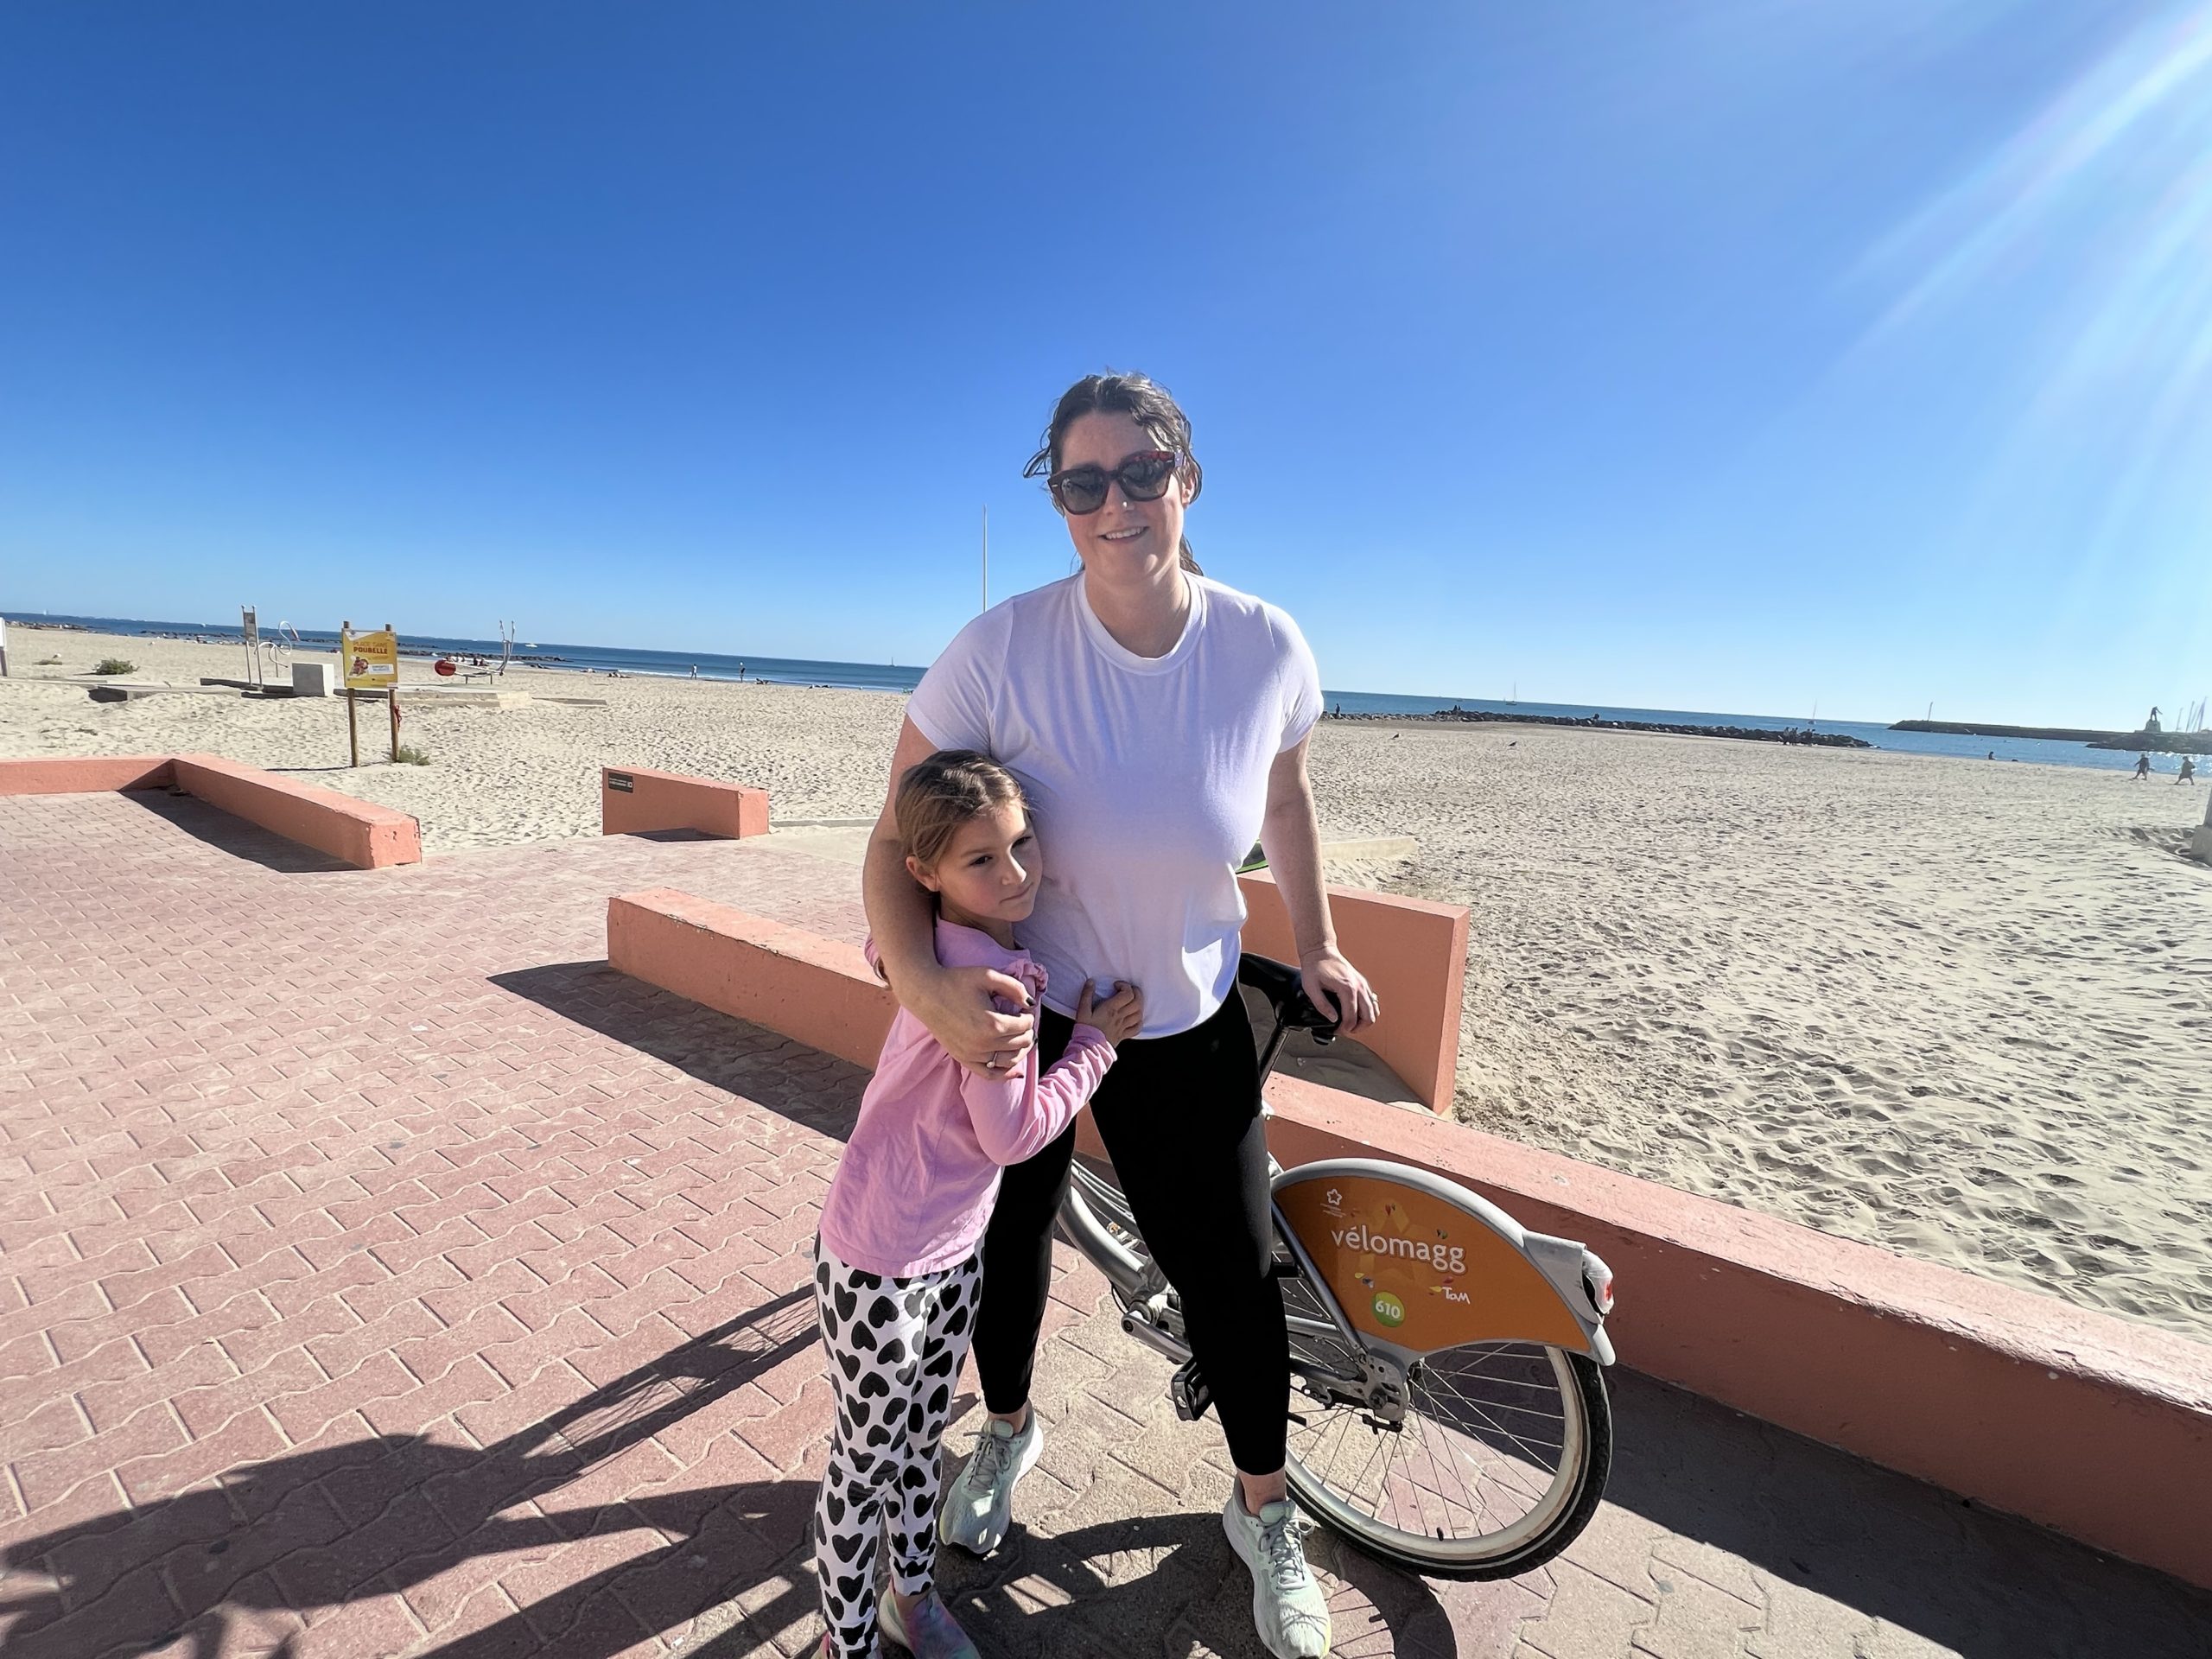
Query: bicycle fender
[{"x": 1420, "y": 1263}]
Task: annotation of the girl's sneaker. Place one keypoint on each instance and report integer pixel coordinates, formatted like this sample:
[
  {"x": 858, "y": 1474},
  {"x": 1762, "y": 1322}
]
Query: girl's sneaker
[{"x": 934, "y": 1634}]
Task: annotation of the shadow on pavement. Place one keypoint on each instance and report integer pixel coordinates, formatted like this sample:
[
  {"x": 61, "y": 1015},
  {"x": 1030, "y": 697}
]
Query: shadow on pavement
[
  {"x": 824, "y": 1096},
  {"x": 1969, "y": 1579},
  {"x": 234, "y": 835},
  {"x": 350, "y": 1522}
]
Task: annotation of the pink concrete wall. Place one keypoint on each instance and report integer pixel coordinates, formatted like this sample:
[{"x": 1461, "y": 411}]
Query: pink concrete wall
[
  {"x": 671, "y": 800},
  {"x": 1414, "y": 953},
  {"x": 2095, "y": 1426},
  {"x": 360, "y": 833},
  {"x": 85, "y": 774},
  {"x": 812, "y": 990}
]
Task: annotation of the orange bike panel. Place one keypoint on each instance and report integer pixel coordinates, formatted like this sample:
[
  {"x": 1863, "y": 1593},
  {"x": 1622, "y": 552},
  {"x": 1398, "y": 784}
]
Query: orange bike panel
[{"x": 1419, "y": 1272}]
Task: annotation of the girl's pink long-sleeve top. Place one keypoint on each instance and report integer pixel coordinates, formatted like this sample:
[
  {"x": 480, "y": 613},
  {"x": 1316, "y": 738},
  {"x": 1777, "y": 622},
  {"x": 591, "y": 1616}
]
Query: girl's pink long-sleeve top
[{"x": 914, "y": 1190}]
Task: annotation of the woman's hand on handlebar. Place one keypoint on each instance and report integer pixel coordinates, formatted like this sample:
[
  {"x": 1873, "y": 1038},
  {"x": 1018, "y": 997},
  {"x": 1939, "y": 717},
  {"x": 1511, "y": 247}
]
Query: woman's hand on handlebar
[
  {"x": 960, "y": 1007},
  {"x": 1333, "y": 985}
]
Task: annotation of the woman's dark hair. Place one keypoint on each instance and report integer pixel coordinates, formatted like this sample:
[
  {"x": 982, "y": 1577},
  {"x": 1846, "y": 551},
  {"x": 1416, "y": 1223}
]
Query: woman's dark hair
[
  {"x": 936, "y": 796},
  {"x": 1146, "y": 402}
]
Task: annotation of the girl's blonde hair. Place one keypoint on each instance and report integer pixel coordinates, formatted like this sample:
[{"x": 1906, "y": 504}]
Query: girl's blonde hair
[{"x": 938, "y": 795}]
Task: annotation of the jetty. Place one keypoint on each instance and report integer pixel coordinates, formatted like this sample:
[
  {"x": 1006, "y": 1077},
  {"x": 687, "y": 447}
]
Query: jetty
[
  {"x": 1593, "y": 723},
  {"x": 2163, "y": 742}
]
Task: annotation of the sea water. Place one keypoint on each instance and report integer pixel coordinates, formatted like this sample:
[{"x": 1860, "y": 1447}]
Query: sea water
[{"x": 892, "y": 677}]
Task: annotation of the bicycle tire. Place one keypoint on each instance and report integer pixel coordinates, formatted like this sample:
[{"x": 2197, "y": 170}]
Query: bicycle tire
[{"x": 1526, "y": 1541}]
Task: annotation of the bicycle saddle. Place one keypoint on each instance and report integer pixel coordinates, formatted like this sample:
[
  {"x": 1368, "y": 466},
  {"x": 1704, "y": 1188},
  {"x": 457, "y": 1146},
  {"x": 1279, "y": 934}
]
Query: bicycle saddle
[{"x": 1280, "y": 985}]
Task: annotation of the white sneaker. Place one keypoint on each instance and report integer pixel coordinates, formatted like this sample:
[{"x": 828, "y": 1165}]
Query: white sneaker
[
  {"x": 980, "y": 1501},
  {"x": 1289, "y": 1608}
]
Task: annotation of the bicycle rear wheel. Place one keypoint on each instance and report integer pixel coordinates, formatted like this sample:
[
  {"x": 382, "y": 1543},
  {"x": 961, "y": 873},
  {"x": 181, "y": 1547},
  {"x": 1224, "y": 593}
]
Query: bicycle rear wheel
[{"x": 1498, "y": 1462}]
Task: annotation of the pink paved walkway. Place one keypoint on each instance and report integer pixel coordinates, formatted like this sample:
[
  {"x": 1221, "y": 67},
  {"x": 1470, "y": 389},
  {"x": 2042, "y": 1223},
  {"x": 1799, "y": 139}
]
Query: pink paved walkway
[{"x": 380, "y": 1275}]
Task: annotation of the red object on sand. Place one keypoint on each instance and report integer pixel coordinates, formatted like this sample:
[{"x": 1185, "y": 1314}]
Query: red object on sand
[{"x": 443, "y": 667}]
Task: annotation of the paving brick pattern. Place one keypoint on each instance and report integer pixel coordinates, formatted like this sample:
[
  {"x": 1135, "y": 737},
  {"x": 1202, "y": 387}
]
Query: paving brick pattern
[{"x": 381, "y": 1275}]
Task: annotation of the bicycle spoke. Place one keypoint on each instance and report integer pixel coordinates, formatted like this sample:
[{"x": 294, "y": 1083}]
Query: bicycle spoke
[{"x": 1480, "y": 1461}]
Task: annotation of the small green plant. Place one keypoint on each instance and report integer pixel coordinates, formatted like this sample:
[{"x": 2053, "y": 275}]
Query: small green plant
[
  {"x": 116, "y": 665},
  {"x": 411, "y": 756}
]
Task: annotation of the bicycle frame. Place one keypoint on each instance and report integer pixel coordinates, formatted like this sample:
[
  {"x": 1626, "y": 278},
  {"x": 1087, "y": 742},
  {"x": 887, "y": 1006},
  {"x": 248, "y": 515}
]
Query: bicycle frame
[
  {"x": 1400, "y": 1262},
  {"x": 1151, "y": 1313},
  {"x": 1450, "y": 1355}
]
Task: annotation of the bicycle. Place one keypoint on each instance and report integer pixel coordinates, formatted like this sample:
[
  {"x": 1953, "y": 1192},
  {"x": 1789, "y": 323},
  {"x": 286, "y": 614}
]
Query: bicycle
[{"x": 1448, "y": 1412}]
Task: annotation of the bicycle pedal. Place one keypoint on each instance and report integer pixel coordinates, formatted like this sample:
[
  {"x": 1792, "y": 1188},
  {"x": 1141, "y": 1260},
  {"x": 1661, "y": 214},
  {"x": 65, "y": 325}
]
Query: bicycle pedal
[{"x": 1189, "y": 1392}]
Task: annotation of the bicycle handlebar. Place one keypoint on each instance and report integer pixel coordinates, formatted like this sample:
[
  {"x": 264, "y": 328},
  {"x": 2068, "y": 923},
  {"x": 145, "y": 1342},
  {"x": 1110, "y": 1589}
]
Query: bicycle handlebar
[{"x": 1286, "y": 994}]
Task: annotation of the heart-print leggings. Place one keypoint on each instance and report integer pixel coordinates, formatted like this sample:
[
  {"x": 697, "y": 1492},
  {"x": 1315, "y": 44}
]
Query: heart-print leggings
[{"x": 895, "y": 1348}]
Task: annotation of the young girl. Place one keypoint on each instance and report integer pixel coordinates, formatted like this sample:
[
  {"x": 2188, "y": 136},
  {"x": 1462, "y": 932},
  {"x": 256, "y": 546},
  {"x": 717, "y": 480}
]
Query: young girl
[{"x": 896, "y": 1269}]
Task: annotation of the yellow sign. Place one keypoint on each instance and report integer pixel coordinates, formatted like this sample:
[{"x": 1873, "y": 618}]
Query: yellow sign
[
  {"x": 370, "y": 661},
  {"x": 1419, "y": 1272}
]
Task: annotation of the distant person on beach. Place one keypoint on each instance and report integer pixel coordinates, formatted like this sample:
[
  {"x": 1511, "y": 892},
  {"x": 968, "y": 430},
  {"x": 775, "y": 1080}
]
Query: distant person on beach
[
  {"x": 1158, "y": 721},
  {"x": 896, "y": 1262},
  {"x": 2188, "y": 770},
  {"x": 2142, "y": 767}
]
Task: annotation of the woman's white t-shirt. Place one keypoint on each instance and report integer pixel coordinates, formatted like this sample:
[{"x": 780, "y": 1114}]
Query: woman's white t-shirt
[{"x": 1148, "y": 777}]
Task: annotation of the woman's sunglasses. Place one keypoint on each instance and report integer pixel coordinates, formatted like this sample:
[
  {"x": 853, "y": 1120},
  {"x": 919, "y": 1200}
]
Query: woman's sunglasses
[{"x": 1081, "y": 491}]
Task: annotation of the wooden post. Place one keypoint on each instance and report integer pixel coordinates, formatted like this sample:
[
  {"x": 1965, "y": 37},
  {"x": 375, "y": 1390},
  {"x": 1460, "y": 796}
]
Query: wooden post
[
  {"x": 353, "y": 716},
  {"x": 394, "y": 693}
]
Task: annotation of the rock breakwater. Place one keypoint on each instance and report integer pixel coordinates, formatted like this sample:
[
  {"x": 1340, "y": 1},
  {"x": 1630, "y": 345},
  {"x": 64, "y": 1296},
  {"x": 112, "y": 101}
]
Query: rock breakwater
[{"x": 1751, "y": 734}]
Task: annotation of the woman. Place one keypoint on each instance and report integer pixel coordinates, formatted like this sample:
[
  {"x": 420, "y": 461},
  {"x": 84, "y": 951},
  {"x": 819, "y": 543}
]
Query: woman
[{"x": 1158, "y": 720}]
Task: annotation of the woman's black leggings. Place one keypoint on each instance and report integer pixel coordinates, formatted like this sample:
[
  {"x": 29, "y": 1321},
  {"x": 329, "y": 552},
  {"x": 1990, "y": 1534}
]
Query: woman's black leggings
[{"x": 1181, "y": 1116}]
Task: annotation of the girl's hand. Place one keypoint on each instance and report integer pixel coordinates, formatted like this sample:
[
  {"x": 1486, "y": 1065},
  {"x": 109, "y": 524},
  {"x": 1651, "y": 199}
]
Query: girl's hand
[
  {"x": 960, "y": 1007},
  {"x": 1334, "y": 984},
  {"x": 1119, "y": 1018}
]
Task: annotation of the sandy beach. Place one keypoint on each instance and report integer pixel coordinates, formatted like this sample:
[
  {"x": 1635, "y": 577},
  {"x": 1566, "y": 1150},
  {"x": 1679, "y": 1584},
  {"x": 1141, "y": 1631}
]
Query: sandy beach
[{"x": 1953, "y": 1008}]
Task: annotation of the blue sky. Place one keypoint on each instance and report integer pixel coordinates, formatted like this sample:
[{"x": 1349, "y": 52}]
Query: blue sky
[{"x": 1721, "y": 356}]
